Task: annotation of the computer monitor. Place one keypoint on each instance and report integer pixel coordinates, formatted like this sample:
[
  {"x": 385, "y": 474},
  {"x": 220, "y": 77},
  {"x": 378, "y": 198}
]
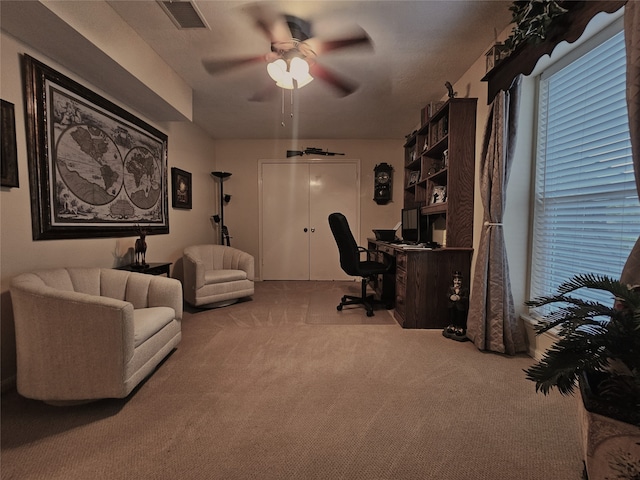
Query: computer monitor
[
  {"x": 415, "y": 227},
  {"x": 410, "y": 232}
]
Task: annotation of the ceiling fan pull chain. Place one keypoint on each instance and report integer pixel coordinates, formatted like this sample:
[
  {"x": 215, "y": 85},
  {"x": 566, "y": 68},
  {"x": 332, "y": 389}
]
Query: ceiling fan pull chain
[
  {"x": 291, "y": 104},
  {"x": 282, "y": 123}
]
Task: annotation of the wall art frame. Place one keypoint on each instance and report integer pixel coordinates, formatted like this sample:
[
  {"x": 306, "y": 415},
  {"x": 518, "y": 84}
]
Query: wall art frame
[
  {"x": 9, "y": 152},
  {"x": 95, "y": 169},
  {"x": 181, "y": 190}
]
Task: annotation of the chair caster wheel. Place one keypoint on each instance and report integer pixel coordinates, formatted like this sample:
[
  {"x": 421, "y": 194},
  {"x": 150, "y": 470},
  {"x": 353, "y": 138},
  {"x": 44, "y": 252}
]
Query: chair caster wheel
[
  {"x": 339, "y": 308},
  {"x": 369, "y": 314}
]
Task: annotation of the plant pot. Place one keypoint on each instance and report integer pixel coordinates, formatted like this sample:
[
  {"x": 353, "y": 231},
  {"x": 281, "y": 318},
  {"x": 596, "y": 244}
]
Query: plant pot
[
  {"x": 611, "y": 445},
  {"x": 596, "y": 404}
]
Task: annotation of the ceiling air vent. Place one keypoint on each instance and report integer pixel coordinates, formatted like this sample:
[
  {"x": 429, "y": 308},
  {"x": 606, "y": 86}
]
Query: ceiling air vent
[{"x": 184, "y": 14}]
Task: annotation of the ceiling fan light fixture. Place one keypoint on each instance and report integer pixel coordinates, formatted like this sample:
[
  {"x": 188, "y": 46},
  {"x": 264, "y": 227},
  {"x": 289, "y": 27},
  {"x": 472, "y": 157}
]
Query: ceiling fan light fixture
[
  {"x": 286, "y": 82},
  {"x": 277, "y": 69},
  {"x": 284, "y": 73},
  {"x": 305, "y": 81},
  {"x": 299, "y": 68}
]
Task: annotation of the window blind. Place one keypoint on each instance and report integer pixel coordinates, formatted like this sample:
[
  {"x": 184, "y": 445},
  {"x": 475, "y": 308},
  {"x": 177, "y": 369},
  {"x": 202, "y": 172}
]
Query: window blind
[{"x": 586, "y": 209}]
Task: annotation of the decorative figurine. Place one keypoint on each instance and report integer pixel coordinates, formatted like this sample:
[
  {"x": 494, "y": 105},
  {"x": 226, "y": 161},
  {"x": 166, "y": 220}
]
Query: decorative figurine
[
  {"x": 458, "y": 310},
  {"x": 450, "y": 92},
  {"x": 141, "y": 248}
]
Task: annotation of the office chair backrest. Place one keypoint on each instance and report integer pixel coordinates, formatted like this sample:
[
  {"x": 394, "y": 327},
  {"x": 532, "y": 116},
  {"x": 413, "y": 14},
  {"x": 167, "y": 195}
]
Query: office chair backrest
[{"x": 347, "y": 246}]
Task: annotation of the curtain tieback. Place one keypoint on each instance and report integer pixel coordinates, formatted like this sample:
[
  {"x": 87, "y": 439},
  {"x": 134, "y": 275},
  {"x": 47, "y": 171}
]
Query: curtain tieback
[{"x": 489, "y": 224}]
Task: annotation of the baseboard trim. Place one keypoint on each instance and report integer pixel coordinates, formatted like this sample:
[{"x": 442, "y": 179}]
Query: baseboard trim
[{"x": 537, "y": 344}]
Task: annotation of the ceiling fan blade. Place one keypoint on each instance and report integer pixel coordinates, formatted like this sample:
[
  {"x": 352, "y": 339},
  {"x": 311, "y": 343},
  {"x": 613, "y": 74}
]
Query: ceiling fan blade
[
  {"x": 357, "y": 39},
  {"x": 342, "y": 85},
  {"x": 271, "y": 23},
  {"x": 215, "y": 66}
]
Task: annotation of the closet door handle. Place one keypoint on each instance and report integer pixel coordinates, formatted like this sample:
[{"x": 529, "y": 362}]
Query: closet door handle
[
  {"x": 313, "y": 230},
  {"x": 305, "y": 230}
]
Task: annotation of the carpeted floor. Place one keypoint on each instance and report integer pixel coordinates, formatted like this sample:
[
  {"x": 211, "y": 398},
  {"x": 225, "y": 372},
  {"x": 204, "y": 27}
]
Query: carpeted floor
[{"x": 285, "y": 387}]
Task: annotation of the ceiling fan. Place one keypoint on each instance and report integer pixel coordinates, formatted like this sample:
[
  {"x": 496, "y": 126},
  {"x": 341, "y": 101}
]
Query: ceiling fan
[{"x": 292, "y": 61}]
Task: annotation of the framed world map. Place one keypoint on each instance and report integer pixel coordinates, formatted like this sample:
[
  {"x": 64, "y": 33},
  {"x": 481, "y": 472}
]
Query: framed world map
[{"x": 95, "y": 170}]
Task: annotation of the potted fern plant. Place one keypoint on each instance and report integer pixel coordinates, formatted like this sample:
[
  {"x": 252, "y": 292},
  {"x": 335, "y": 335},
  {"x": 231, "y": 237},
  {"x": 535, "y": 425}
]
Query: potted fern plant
[
  {"x": 598, "y": 349},
  {"x": 597, "y": 342}
]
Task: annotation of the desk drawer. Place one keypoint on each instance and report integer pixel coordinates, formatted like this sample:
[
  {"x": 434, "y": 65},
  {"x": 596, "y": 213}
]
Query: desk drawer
[
  {"x": 379, "y": 257},
  {"x": 401, "y": 261},
  {"x": 401, "y": 279},
  {"x": 386, "y": 249}
]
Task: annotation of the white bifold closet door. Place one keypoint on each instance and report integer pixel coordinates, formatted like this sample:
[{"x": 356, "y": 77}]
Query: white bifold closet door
[{"x": 296, "y": 200}]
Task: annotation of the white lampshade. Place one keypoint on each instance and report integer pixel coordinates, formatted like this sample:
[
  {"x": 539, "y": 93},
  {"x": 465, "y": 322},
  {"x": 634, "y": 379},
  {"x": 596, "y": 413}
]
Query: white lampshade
[
  {"x": 286, "y": 81},
  {"x": 277, "y": 69},
  {"x": 305, "y": 81},
  {"x": 284, "y": 74},
  {"x": 300, "y": 71},
  {"x": 299, "y": 68}
]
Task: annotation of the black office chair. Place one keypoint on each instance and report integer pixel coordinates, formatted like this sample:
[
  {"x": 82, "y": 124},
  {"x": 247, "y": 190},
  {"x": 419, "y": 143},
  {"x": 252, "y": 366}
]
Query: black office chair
[{"x": 352, "y": 264}]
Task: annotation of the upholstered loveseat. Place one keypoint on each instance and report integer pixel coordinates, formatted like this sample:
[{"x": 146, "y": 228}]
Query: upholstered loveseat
[
  {"x": 90, "y": 333},
  {"x": 216, "y": 275}
]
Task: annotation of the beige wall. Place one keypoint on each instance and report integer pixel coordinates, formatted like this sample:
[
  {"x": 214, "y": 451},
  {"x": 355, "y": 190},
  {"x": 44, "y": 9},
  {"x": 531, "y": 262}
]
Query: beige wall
[
  {"x": 189, "y": 149},
  {"x": 240, "y": 157}
]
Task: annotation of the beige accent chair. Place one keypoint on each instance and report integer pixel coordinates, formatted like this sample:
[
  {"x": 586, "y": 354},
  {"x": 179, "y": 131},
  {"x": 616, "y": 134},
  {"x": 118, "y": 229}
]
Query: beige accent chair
[
  {"x": 217, "y": 275},
  {"x": 88, "y": 333}
]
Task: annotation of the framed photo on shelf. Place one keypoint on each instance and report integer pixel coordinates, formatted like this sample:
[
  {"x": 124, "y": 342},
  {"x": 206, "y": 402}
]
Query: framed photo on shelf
[
  {"x": 438, "y": 195},
  {"x": 95, "y": 169},
  {"x": 181, "y": 195},
  {"x": 414, "y": 177}
]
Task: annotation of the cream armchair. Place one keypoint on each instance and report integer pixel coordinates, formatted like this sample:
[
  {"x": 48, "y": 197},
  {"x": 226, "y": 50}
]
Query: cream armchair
[
  {"x": 89, "y": 333},
  {"x": 217, "y": 275}
]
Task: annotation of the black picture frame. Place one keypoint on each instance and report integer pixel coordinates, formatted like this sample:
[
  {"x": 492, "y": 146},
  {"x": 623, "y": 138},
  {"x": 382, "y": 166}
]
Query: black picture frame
[
  {"x": 414, "y": 177},
  {"x": 8, "y": 151},
  {"x": 181, "y": 192},
  {"x": 95, "y": 170}
]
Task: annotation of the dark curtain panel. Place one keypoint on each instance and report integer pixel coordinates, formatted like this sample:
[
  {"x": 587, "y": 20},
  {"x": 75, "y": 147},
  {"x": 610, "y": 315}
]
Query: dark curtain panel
[
  {"x": 492, "y": 324},
  {"x": 631, "y": 271}
]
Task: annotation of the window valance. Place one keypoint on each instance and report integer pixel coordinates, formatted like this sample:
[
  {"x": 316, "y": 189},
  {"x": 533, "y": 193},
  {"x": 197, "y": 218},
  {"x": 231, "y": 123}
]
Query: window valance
[{"x": 568, "y": 27}]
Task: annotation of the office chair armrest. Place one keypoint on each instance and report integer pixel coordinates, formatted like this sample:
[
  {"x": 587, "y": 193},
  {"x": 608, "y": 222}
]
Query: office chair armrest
[
  {"x": 362, "y": 250},
  {"x": 389, "y": 260}
]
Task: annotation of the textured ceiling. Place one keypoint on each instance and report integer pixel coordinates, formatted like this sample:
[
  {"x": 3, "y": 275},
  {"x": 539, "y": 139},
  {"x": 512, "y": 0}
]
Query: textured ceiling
[{"x": 417, "y": 46}]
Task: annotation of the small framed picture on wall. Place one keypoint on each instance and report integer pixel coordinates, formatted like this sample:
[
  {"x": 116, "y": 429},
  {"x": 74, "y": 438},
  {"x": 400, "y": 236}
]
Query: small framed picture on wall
[{"x": 181, "y": 195}]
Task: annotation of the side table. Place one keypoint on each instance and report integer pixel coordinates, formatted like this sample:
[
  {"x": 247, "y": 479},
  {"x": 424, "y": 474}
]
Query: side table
[{"x": 150, "y": 269}]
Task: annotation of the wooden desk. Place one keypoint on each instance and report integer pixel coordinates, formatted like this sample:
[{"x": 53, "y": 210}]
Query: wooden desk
[
  {"x": 420, "y": 283},
  {"x": 151, "y": 269}
]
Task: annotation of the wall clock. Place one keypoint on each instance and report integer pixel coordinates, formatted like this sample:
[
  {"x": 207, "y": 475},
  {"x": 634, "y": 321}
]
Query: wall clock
[{"x": 383, "y": 176}]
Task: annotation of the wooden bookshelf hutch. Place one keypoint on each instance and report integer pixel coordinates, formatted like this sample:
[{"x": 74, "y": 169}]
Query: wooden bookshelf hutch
[
  {"x": 439, "y": 173},
  {"x": 441, "y": 154}
]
